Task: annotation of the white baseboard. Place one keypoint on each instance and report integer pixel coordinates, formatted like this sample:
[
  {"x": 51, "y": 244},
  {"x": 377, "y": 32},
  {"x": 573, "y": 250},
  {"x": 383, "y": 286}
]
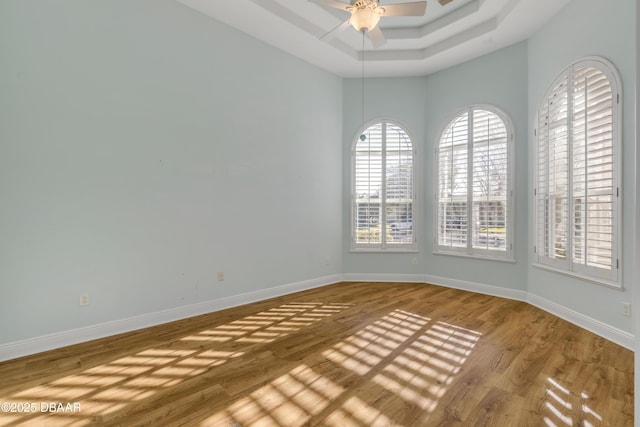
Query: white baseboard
[
  {"x": 615, "y": 335},
  {"x": 618, "y": 336},
  {"x": 61, "y": 339},
  {"x": 479, "y": 288},
  {"x": 396, "y": 278}
]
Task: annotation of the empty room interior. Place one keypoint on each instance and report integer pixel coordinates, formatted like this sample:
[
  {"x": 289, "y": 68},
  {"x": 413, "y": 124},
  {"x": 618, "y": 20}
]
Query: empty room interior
[{"x": 294, "y": 213}]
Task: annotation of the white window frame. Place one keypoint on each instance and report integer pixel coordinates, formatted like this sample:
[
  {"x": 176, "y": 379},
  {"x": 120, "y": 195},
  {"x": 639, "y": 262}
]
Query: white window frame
[
  {"x": 469, "y": 250},
  {"x": 567, "y": 266},
  {"x": 383, "y": 246}
]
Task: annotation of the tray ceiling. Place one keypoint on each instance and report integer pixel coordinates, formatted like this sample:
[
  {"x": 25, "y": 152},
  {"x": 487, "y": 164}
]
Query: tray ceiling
[{"x": 416, "y": 46}]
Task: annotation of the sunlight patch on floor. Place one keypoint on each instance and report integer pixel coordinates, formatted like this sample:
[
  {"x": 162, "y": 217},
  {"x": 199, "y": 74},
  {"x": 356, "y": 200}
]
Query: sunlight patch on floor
[
  {"x": 560, "y": 401},
  {"x": 412, "y": 359},
  {"x": 289, "y": 400},
  {"x": 357, "y": 413},
  {"x": 109, "y": 388}
]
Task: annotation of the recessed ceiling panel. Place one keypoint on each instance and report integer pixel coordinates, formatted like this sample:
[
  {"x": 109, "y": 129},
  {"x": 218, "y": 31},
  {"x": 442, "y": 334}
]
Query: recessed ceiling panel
[{"x": 444, "y": 36}]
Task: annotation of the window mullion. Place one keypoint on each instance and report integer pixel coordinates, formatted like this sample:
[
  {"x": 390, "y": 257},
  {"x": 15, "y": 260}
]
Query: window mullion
[
  {"x": 451, "y": 198},
  {"x": 383, "y": 190},
  {"x": 470, "y": 181},
  {"x": 547, "y": 236},
  {"x": 488, "y": 185},
  {"x": 551, "y": 196},
  {"x": 585, "y": 202},
  {"x": 354, "y": 205},
  {"x": 570, "y": 196}
]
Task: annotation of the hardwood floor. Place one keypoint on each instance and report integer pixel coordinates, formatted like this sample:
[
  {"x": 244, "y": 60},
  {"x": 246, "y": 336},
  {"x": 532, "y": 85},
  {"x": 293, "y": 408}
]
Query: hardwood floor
[{"x": 350, "y": 354}]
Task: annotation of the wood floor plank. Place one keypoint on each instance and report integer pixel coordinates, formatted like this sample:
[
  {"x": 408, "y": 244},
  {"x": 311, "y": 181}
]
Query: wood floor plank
[{"x": 350, "y": 354}]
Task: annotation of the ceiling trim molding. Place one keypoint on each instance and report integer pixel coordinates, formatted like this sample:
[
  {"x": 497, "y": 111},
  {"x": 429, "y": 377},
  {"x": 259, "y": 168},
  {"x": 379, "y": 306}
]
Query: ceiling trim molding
[
  {"x": 408, "y": 33},
  {"x": 395, "y": 33},
  {"x": 448, "y": 36},
  {"x": 436, "y": 48}
]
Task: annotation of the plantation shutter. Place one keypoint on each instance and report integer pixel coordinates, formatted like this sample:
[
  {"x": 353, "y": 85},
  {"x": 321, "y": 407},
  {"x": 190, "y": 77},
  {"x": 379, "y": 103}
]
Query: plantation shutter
[
  {"x": 490, "y": 172},
  {"x": 399, "y": 186},
  {"x": 368, "y": 187},
  {"x": 383, "y": 189},
  {"x": 453, "y": 178},
  {"x": 576, "y": 185},
  {"x": 473, "y": 197},
  {"x": 553, "y": 175},
  {"x": 593, "y": 175}
]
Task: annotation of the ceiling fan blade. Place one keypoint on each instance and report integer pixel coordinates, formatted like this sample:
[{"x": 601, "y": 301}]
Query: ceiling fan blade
[
  {"x": 376, "y": 37},
  {"x": 443, "y": 2},
  {"x": 332, "y": 3},
  {"x": 336, "y": 30},
  {"x": 405, "y": 9}
]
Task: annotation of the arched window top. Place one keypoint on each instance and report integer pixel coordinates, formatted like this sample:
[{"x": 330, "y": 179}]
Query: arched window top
[
  {"x": 595, "y": 71},
  {"x": 372, "y": 131},
  {"x": 495, "y": 119},
  {"x": 383, "y": 195}
]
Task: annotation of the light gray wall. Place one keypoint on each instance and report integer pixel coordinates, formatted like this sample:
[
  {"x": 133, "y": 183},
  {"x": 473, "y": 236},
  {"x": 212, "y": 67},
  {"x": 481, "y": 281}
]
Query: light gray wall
[
  {"x": 144, "y": 148},
  {"x": 498, "y": 79},
  {"x": 587, "y": 28},
  {"x": 424, "y": 106},
  {"x": 405, "y": 101}
]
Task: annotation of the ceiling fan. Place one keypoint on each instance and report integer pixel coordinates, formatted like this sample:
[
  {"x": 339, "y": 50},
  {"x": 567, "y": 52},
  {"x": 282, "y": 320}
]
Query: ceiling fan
[{"x": 365, "y": 15}]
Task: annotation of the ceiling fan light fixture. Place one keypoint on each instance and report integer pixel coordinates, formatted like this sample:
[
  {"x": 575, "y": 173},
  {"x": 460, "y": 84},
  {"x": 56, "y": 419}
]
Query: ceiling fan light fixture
[{"x": 366, "y": 18}]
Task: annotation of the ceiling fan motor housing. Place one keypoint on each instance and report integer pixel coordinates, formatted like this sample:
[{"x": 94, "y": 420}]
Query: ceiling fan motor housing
[
  {"x": 365, "y": 3},
  {"x": 365, "y": 14}
]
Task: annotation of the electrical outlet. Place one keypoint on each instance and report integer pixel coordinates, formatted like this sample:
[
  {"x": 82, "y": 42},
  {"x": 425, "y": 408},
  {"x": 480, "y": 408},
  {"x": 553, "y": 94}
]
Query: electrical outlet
[
  {"x": 414, "y": 260},
  {"x": 84, "y": 299},
  {"x": 626, "y": 309},
  {"x": 220, "y": 276}
]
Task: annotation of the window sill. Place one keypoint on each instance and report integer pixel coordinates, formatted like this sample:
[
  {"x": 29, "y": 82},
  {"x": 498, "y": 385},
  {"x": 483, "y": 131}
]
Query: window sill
[
  {"x": 590, "y": 279},
  {"x": 384, "y": 251},
  {"x": 479, "y": 257}
]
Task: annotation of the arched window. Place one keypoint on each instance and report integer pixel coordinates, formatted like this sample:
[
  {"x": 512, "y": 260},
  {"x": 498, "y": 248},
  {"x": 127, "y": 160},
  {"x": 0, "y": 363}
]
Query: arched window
[
  {"x": 474, "y": 193},
  {"x": 577, "y": 172},
  {"x": 382, "y": 194}
]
